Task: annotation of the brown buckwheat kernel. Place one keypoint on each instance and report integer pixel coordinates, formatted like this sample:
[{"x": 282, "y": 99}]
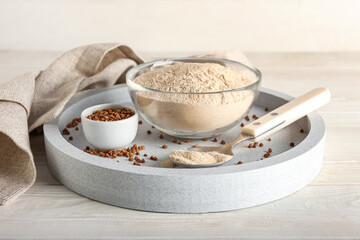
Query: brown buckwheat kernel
[
  {"x": 111, "y": 114},
  {"x": 66, "y": 131},
  {"x": 74, "y": 123}
]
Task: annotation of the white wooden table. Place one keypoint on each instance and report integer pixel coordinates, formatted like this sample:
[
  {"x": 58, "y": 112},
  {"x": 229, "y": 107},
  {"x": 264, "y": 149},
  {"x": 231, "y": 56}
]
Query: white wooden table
[{"x": 327, "y": 208}]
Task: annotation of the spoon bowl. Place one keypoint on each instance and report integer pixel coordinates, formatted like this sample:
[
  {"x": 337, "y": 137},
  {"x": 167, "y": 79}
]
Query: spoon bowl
[{"x": 224, "y": 149}]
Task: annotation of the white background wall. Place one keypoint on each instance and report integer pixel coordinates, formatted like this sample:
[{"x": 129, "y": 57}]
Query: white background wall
[{"x": 182, "y": 25}]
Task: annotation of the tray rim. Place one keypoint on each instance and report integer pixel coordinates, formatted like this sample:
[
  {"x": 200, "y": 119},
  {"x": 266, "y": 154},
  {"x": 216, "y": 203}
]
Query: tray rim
[{"x": 53, "y": 135}]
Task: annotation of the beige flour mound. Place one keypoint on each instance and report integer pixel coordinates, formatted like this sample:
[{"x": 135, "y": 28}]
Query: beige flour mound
[
  {"x": 195, "y": 158},
  {"x": 193, "y": 78},
  {"x": 194, "y": 112}
]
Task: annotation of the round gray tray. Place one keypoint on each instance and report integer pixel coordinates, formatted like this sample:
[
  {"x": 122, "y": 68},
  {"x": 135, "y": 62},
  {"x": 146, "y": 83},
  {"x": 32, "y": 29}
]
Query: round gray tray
[{"x": 155, "y": 187}]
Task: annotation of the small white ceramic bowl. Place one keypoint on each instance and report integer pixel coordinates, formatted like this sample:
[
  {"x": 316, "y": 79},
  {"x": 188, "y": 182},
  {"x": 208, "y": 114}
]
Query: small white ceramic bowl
[{"x": 109, "y": 135}]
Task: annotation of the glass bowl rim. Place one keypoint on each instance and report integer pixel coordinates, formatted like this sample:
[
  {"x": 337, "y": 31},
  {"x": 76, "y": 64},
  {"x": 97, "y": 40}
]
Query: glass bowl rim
[{"x": 137, "y": 68}]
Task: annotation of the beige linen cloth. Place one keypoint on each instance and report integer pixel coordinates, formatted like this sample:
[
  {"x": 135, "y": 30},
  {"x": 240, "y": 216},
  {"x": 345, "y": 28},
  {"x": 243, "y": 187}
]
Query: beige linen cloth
[{"x": 32, "y": 99}]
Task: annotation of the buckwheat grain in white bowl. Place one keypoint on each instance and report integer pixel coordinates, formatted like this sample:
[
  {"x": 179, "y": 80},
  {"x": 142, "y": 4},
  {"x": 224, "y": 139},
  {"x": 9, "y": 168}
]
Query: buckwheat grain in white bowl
[
  {"x": 106, "y": 129},
  {"x": 193, "y": 97}
]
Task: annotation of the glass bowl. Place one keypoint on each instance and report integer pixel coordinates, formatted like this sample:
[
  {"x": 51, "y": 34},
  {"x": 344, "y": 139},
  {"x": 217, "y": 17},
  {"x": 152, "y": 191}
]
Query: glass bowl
[{"x": 193, "y": 115}]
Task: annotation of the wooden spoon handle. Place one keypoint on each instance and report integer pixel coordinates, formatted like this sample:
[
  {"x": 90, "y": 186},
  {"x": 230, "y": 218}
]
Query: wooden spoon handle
[{"x": 288, "y": 113}]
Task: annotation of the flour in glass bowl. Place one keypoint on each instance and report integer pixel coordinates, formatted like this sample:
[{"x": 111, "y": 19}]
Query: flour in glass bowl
[
  {"x": 193, "y": 77},
  {"x": 194, "y": 112}
]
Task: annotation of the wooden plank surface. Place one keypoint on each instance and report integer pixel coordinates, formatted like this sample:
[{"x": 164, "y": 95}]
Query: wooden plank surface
[{"x": 329, "y": 208}]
